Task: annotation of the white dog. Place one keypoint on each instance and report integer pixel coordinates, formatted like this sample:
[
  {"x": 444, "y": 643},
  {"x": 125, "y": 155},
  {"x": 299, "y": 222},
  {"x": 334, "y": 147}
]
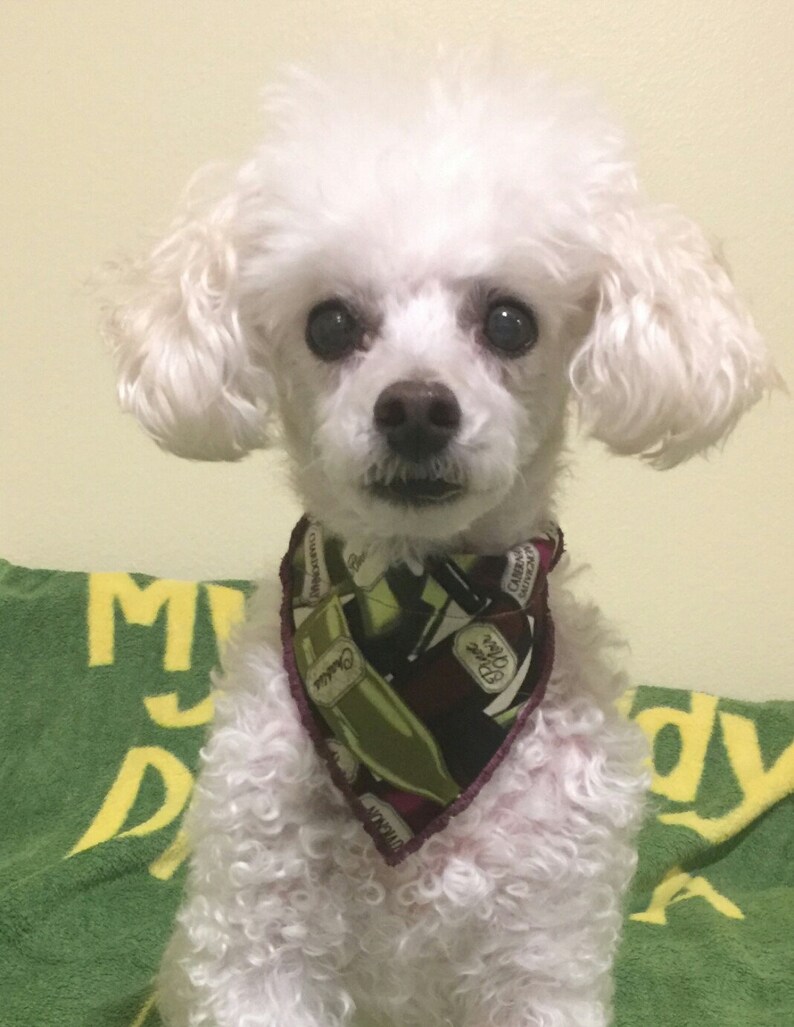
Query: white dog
[{"x": 413, "y": 804}]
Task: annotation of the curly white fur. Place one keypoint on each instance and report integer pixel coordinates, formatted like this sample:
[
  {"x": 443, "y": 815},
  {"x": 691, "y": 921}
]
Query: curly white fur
[{"x": 415, "y": 201}]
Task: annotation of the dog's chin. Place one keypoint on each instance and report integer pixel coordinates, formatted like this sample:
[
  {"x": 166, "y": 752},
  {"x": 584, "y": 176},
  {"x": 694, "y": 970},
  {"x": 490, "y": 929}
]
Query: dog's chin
[
  {"x": 417, "y": 493},
  {"x": 429, "y": 509},
  {"x": 422, "y": 507}
]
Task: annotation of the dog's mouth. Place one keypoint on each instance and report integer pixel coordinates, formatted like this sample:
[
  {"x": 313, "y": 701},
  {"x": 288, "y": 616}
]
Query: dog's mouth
[{"x": 417, "y": 491}]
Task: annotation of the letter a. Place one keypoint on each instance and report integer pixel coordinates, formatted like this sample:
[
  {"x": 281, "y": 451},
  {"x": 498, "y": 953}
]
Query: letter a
[{"x": 677, "y": 886}]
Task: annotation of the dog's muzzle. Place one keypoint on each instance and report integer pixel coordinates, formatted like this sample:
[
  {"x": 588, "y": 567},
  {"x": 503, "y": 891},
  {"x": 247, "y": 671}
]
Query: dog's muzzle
[{"x": 418, "y": 420}]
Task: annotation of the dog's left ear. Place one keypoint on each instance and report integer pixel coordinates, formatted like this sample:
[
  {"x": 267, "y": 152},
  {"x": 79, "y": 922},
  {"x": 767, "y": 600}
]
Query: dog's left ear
[{"x": 672, "y": 358}]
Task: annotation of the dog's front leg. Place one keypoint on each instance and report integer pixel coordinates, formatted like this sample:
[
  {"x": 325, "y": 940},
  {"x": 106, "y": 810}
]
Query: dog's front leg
[
  {"x": 548, "y": 962},
  {"x": 216, "y": 975},
  {"x": 545, "y": 883},
  {"x": 263, "y": 938}
]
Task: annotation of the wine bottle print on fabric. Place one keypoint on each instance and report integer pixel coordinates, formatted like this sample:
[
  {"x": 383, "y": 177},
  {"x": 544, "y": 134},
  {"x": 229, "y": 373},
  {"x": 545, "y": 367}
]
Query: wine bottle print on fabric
[{"x": 414, "y": 682}]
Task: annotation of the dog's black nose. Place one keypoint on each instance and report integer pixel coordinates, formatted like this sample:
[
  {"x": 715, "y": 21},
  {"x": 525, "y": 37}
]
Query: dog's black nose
[{"x": 417, "y": 418}]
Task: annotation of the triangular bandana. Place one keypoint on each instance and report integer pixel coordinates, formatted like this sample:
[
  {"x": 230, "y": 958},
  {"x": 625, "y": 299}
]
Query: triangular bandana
[{"x": 414, "y": 685}]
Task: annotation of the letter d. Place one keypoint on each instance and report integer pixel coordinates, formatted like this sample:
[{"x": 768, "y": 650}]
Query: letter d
[{"x": 110, "y": 820}]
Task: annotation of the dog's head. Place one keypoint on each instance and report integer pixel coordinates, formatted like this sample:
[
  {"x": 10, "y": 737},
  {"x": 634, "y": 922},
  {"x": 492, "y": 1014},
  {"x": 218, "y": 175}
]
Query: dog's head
[{"x": 412, "y": 281}]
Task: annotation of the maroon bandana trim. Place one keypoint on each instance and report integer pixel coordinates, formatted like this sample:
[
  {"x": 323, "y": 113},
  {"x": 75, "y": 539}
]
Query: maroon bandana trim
[{"x": 414, "y": 685}]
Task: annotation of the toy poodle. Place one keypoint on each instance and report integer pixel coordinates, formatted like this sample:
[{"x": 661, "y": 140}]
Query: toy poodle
[{"x": 418, "y": 803}]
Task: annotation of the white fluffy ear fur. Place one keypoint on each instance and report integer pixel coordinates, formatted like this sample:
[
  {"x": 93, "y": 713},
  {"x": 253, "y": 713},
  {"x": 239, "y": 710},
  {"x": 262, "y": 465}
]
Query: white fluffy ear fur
[
  {"x": 672, "y": 359},
  {"x": 185, "y": 365}
]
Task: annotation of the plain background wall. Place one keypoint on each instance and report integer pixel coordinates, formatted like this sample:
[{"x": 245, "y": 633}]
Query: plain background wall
[{"x": 109, "y": 106}]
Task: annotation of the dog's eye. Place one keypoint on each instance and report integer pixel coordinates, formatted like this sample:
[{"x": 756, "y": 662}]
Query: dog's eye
[
  {"x": 510, "y": 327},
  {"x": 332, "y": 330}
]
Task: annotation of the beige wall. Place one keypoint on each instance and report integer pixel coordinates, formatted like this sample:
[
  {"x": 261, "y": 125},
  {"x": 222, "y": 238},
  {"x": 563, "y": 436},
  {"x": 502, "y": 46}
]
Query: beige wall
[{"x": 109, "y": 105}]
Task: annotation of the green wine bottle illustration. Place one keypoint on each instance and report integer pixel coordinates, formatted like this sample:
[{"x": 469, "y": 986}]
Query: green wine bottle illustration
[{"x": 364, "y": 711}]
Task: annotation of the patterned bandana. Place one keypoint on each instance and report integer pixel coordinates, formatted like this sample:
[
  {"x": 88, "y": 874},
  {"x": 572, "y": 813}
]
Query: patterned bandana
[{"x": 414, "y": 685}]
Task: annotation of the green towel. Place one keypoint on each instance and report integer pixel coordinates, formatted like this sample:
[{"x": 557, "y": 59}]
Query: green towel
[
  {"x": 103, "y": 708},
  {"x": 709, "y": 938}
]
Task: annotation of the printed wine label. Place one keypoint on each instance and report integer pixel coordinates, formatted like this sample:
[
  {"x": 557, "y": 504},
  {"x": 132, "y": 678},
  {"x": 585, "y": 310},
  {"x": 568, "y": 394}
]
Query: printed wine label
[
  {"x": 316, "y": 580},
  {"x": 387, "y": 820},
  {"x": 335, "y": 672},
  {"x": 518, "y": 579},
  {"x": 366, "y": 568},
  {"x": 486, "y": 655}
]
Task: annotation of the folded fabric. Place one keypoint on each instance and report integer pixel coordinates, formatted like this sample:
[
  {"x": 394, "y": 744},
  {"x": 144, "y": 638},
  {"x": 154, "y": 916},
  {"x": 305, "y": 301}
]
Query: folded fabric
[{"x": 104, "y": 703}]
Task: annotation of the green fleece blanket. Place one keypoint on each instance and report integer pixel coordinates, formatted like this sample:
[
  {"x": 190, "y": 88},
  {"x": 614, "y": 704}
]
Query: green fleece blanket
[{"x": 103, "y": 707}]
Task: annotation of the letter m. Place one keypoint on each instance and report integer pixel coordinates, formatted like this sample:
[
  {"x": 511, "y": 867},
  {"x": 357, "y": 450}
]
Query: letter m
[{"x": 140, "y": 605}]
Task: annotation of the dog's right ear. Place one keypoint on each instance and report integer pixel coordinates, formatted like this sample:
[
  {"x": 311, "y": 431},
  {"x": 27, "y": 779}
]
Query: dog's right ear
[{"x": 186, "y": 366}]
